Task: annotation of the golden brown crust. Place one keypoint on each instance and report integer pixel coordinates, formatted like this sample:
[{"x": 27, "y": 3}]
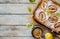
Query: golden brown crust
[
  {"x": 36, "y": 19},
  {"x": 56, "y": 2},
  {"x": 34, "y": 14},
  {"x": 53, "y": 19},
  {"x": 52, "y": 8},
  {"x": 57, "y": 25},
  {"x": 37, "y": 5},
  {"x": 42, "y": 16}
]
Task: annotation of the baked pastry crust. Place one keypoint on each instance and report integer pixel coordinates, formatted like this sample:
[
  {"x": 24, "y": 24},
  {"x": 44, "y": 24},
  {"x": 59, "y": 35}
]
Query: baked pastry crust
[
  {"x": 56, "y": 2},
  {"x": 40, "y": 2}
]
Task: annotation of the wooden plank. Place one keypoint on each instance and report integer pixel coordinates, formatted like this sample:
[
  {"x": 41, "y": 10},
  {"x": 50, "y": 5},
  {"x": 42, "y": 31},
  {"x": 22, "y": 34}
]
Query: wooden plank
[
  {"x": 14, "y": 19},
  {"x": 20, "y": 38},
  {"x": 16, "y": 38},
  {"x": 16, "y": 1},
  {"x": 17, "y": 31},
  {"x": 15, "y": 8},
  {"x": 6, "y": 28}
]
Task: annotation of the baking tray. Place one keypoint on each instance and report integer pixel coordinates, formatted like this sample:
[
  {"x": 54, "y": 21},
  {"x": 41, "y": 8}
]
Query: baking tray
[{"x": 45, "y": 14}]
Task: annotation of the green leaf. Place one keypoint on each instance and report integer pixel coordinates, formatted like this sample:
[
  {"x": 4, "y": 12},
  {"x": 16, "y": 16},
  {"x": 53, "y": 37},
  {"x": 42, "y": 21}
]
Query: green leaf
[
  {"x": 31, "y": 1},
  {"x": 57, "y": 14},
  {"x": 29, "y": 8}
]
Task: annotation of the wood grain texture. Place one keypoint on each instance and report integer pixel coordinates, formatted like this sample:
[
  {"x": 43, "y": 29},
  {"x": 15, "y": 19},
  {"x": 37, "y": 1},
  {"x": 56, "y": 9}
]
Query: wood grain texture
[
  {"x": 16, "y": 31},
  {"x": 13, "y": 17},
  {"x": 16, "y": 38},
  {"x": 14, "y": 20},
  {"x": 16, "y": 1},
  {"x": 15, "y": 8},
  {"x": 13, "y": 31},
  {"x": 20, "y": 38}
]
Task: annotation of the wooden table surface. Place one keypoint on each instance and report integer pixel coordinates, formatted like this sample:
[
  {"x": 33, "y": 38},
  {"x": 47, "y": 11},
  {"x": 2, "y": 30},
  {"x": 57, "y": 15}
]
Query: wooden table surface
[{"x": 13, "y": 17}]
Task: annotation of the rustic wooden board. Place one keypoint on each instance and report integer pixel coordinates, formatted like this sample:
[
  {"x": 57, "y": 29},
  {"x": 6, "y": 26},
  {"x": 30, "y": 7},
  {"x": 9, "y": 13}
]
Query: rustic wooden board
[
  {"x": 15, "y": 1},
  {"x": 14, "y": 19},
  {"x": 17, "y": 31},
  {"x": 15, "y": 8},
  {"x": 16, "y": 38},
  {"x": 6, "y": 28},
  {"x": 19, "y": 38}
]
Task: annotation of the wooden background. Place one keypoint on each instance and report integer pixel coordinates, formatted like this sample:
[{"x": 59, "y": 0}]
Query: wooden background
[{"x": 13, "y": 17}]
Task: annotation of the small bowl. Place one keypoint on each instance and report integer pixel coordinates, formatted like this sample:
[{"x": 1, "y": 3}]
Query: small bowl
[{"x": 35, "y": 32}]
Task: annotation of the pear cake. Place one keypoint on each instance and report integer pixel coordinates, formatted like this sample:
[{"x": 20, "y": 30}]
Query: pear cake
[{"x": 47, "y": 13}]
